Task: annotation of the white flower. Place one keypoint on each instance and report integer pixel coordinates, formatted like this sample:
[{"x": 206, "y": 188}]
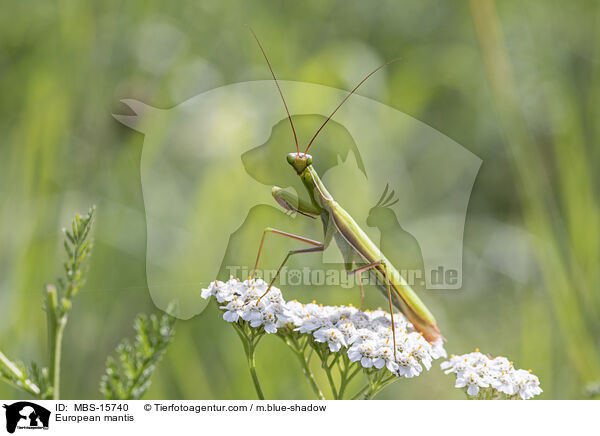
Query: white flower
[
  {"x": 385, "y": 357},
  {"x": 423, "y": 351},
  {"x": 254, "y": 290},
  {"x": 227, "y": 291},
  {"x": 437, "y": 349},
  {"x": 348, "y": 330},
  {"x": 296, "y": 311},
  {"x": 527, "y": 385},
  {"x": 366, "y": 336},
  {"x": 504, "y": 383},
  {"x": 365, "y": 352},
  {"x": 274, "y": 296},
  {"x": 408, "y": 366},
  {"x": 212, "y": 289},
  {"x": 344, "y": 312},
  {"x": 252, "y": 312},
  {"x": 312, "y": 323},
  {"x": 472, "y": 380},
  {"x": 382, "y": 332},
  {"x": 475, "y": 371},
  {"x": 266, "y": 319},
  {"x": 234, "y": 309},
  {"x": 361, "y": 320},
  {"x": 334, "y": 338}
]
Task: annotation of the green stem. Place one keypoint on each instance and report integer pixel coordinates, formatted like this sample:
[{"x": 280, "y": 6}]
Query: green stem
[
  {"x": 305, "y": 363},
  {"x": 252, "y": 366},
  {"x": 346, "y": 377},
  {"x": 242, "y": 335},
  {"x": 12, "y": 369},
  {"x": 359, "y": 393},
  {"x": 139, "y": 373},
  {"x": 249, "y": 348},
  {"x": 356, "y": 371},
  {"x": 56, "y": 327},
  {"x": 379, "y": 386},
  {"x": 343, "y": 385},
  {"x": 330, "y": 379},
  {"x": 334, "y": 361},
  {"x": 310, "y": 377}
]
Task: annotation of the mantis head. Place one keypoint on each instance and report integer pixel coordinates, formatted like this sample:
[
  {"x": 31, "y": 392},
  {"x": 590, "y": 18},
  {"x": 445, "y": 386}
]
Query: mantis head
[{"x": 299, "y": 161}]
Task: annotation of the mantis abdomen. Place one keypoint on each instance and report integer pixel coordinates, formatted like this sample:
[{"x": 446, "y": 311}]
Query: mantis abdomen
[{"x": 403, "y": 296}]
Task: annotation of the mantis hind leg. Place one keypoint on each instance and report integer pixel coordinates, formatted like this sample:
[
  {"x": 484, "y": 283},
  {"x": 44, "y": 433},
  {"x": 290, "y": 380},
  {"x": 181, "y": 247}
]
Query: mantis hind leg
[
  {"x": 387, "y": 281},
  {"x": 359, "y": 271}
]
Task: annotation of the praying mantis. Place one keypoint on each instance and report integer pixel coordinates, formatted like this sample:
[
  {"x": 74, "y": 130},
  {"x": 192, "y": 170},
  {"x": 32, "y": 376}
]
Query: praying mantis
[{"x": 358, "y": 250}]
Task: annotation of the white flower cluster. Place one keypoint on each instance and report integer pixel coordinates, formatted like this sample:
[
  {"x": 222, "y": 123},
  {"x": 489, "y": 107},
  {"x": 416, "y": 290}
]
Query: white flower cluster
[
  {"x": 476, "y": 372},
  {"x": 367, "y": 335}
]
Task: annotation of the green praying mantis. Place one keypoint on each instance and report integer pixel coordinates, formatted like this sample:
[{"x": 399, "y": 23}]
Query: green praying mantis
[{"x": 359, "y": 252}]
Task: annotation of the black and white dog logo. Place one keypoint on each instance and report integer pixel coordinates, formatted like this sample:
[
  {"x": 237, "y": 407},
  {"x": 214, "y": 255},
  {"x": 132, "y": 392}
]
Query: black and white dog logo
[{"x": 26, "y": 415}]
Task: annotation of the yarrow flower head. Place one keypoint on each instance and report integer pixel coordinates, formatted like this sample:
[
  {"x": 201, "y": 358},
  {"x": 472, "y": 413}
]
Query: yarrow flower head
[
  {"x": 486, "y": 377},
  {"x": 365, "y": 336}
]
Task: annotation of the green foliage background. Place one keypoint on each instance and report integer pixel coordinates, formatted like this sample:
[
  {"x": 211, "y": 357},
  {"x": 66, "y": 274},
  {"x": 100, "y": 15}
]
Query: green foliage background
[{"x": 516, "y": 83}]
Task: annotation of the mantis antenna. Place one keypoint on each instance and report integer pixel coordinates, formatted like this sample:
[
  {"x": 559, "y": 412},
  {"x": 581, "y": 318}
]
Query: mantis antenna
[
  {"x": 278, "y": 88},
  {"x": 346, "y": 98}
]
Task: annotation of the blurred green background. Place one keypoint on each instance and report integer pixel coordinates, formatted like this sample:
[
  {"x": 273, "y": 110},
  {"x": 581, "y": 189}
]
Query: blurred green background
[{"x": 515, "y": 83}]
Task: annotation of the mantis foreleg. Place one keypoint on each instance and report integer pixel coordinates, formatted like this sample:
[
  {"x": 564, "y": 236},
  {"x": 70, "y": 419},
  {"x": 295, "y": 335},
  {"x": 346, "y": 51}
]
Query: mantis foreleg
[
  {"x": 290, "y": 254},
  {"x": 282, "y": 233},
  {"x": 318, "y": 246}
]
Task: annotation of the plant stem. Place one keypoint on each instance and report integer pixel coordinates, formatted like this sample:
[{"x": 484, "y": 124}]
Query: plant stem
[
  {"x": 305, "y": 363},
  {"x": 343, "y": 385},
  {"x": 359, "y": 393},
  {"x": 249, "y": 344},
  {"x": 330, "y": 379},
  {"x": 378, "y": 387},
  {"x": 26, "y": 384},
  {"x": 310, "y": 377},
  {"x": 55, "y": 356},
  {"x": 346, "y": 375},
  {"x": 56, "y": 327},
  {"x": 252, "y": 366}
]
